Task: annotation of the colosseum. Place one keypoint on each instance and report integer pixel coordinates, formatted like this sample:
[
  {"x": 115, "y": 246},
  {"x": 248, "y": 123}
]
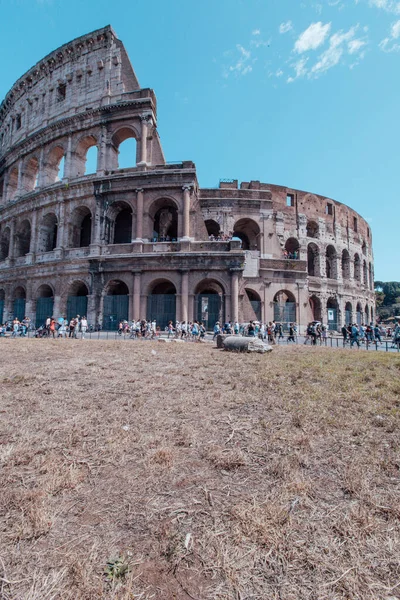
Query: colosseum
[{"x": 145, "y": 241}]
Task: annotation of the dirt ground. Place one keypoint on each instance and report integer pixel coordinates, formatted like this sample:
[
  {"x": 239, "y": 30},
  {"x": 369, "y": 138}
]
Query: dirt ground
[{"x": 141, "y": 470}]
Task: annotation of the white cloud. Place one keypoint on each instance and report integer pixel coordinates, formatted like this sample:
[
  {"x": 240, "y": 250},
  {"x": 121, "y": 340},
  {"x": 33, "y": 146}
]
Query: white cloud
[
  {"x": 300, "y": 69},
  {"x": 392, "y": 6},
  {"x": 279, "y": 73},
  {"x": 312, "y": 38},
  {"x": 255, "y": 32},
  {"x": 285, "y": 27},
  {"x": 390, "y": 43},
  {"x": 242, "y": 66},
  {"x": 355, "y": 46}
]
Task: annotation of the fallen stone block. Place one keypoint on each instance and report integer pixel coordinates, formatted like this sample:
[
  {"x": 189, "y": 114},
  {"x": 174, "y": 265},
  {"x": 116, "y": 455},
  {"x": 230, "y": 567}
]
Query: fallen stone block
[{"x": 235, "y": 343}]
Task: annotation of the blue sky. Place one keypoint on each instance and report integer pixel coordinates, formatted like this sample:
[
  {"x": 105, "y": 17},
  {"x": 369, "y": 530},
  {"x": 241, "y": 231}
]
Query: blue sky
[{"x": 299, "y": 93}]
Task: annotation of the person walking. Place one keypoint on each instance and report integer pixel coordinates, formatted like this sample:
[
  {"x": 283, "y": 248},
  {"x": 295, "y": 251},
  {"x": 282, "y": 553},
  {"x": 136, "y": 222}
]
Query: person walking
[
  {"x": 355, "y": 334},
  {"x": 84, "y": 326},
  {"x": 292, "y": 333}
]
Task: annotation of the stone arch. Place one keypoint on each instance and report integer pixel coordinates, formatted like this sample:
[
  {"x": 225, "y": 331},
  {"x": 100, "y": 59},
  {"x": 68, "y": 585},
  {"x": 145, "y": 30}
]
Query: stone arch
[
  {"x": 346, "y": 264},
  {"x": 348, "y": 313},
  {"x": 19, "y": 302},
  {"x": 23, "y": 238},
  {"x": 209, "y": 302},
  {"x": 284, "y": 308},
  {"x": 213, "y": 228},
  {"x": 313, "y": 260},
  {"x": 331, "y": 262},
  {"x": 254, "y": 301},
  {"x": 161, "y": 301},
  {"x": 312, "y": 229},
  {"x": 31, "y": 174},
  {"x": 333, "y": 313},
  {"x": 316, "y": 307},
  {"x": 81, "y": 227},
  {"x": 48, "y": 229},
  {"x": 292, "y": 248},
  {"x": 44, "y": 303},
  {"x": 115, "y": 304},
  {"x": 55, "y": 165},
  {"x": 124, "y": 148},
  {"x": 163, "y": 214},
  {"x": 77, "y": 299},
  {"x": 81, "y": 162},
  {"x": 4, "y": 243},
  {"x": 249, "y": 232},
  {"x": 12, "y": 185},
  {"x": 365, "y": 273},
  {"x": 357, "y": 267},
  {"x": 118, "y": 223}
]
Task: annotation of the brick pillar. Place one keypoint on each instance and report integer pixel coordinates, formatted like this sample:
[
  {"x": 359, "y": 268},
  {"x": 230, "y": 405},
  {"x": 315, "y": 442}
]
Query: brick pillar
[
  {"x": 235, "y": 296},
  {"x": 137, "y": 280},
  {"x": 139, "y": 214},
  {"x": 68, "y": 166},
  {"x": 11, "y": 252},
  {"x": 143, "y": 140},
  {"x": 186, "y": 212}
]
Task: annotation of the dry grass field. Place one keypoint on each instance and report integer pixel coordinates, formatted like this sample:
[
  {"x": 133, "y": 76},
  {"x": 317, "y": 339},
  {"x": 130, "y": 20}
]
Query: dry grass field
[{"x": 138, "y": 471}]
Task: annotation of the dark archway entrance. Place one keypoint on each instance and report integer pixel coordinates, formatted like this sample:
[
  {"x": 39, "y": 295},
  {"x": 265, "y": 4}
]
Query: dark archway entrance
[
  {"x": 333, "y": 314},
  {"x": 161, "y": 303},
  {"x": 19, "y": 303},
  {"x": 44, "y": 304},
  {"x": 115, "y": 305},
  {"x": 315, "y": 304},
  {"x": 123, "y": 227},
  {"x": 209, "y": 303},
  {"x": 284, "y": 308},
  {"x": 255, "y": 302},
  {"x": 77, "y": 300},
  {"x": 348, "y": 313},
  {"x": 213, "y": 228}
]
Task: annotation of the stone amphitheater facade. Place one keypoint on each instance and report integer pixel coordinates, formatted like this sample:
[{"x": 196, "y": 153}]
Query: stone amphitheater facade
[{"x": 145, "y": 241}]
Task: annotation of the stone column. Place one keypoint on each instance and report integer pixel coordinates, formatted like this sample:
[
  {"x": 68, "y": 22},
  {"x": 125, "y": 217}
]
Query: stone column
[
  {"x": 96, "y": 225},
  {"x": 32, "y": 247},
  {"x": 68, "y": 167},
  {"x": 184, "y": 296},
  {"x": 266, "y": 306},
  {"x": 5, "y": 186},
  {"x": 139, "y": 215},
  {"x": 235, "y": 296},
  {"x": 20, "y": 190},
  {"x": 61, "y": 226},
  {"x": 137, "y": 280},
  {"x": 11, "y": 252},
  {"x": 41, "y": 180},
  {"x": 186, "y": 212},
  {"x": 56, "y": 307},
  {"x": 143, "y": 142},
  {"x": 102, "y": 152}
]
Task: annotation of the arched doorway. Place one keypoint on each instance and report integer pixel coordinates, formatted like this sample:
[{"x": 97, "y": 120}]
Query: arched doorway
[
  {"x": 348, "y": 313},
  {"x": 366, "y": 312},
  {"x": 44, "y": 304},
  {"x": 312, "y": 229},
  {"x": 209, "y": 303},
  {"x": 19, "y": 303},
  {"x": 81, "y": 227},
  {"x": 77, "y": 300},
  {"x": 315, "y": 305},
  {"x": 165, "y": 224},
  {"x": 333, "y": 314},
  {"x": 115, "y": 305},
  {"x": 357, "y": 268},
  {"x": 255, "y": 302},
  {"x": 331, "y": 263},
  {"x": 123, "y": 226},
  {"x": 292, "y": 248},
  {"x": 2, "y": 299},
  {"x": 161, "y": 303},
  {"x": 284, "y": 308},
  {"x": 48, "y": 233},
  {"x": 313, "y": 260},
  {"x": 345, "y": 264},
  {"x": 23, "y": 239},
  {"x": 249, "y": 232}
]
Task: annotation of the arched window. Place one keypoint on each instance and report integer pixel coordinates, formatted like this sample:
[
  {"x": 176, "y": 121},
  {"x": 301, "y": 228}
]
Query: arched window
[
  {"x": 331, "y": 263},
  {"x": 81, "y": 227},
  {"x": 213, "y": 228},
  {"x": 313, "y": 260},
  {"x": 365, "y": 273},
  {"x": 31, "y": 173},
  {"x": 164, "y": 220},
  {"x": 118, "y": 224},
  {"x": 366, "y": 313},
  {"x": 23, "y": 239},
  {"x": 249, "y": 232},
  {"x": 48, "y": 233},
  {"x": 124, "y": 148},
  {"x": 285, "y": 308},
  {"x": 292, "y": 249},
  {"x": 12, "y": 185},
  {"x": 85, "y": 161},
  {"x": 345, "y": 264},
  {"x": 359, "y": 313},
  {"x": 55, "y": 165},
  {"x": 312, "y": 229}
]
